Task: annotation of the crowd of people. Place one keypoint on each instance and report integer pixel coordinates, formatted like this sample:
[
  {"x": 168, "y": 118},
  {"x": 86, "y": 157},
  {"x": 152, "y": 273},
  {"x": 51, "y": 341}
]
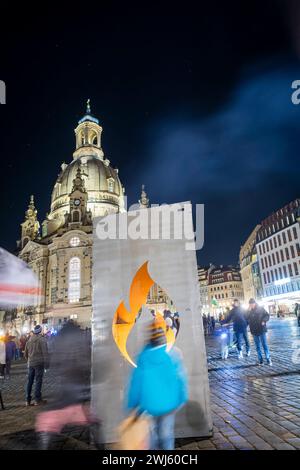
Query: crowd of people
[
  {"x": 256, "y": 318},
  {"x": 11, "y": 349},
  {"x": 209, "y": 324},
  {"x": 158, "y": 386}
]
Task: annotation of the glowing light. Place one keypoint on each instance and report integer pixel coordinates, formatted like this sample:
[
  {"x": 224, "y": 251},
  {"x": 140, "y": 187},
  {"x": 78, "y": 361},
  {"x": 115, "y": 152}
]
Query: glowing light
[{"x": 75, "y": 241}]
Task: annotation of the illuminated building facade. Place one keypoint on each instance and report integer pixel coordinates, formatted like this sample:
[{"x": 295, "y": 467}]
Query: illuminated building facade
[
  {"x": 278, "y": 251},
  {"x": 250, "y": 268},
  {"x": 224, "y": 285},
  {"x": 203, "y": 273},
  {"x": 61, "y": 252}
]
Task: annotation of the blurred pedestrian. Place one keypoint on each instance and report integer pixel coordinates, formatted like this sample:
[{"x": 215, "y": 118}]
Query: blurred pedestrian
[
  {"x": 2, "y": 356},
  {"x": 209, "y": 324},
  {"x": 176, "y": 323},
  {"x": 158, "y": 386},
  {"x": 36, "y": 354},
  {"x": 10, "y": 350},
  {"x": 172, "y": 320},
  {"x": 204, "y": 319},
  {"x": 22, "y": 345},
  {"x": 70, "y": 365},
  {"x": 213, "y": 324},
  {"x": 297, "y": 312},
  {"x": 17, "y": 351},
  {"x": 240, "y": 324},
  {"x": 257, "y": 318}
]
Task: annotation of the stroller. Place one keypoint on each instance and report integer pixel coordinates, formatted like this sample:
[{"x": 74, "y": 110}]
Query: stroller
[{"x": 227, "y": 340}]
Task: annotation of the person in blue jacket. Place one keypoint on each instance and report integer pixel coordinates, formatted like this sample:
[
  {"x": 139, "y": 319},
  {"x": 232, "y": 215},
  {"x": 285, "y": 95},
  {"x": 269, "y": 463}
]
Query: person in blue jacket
[{"x": 158, "y": 386}]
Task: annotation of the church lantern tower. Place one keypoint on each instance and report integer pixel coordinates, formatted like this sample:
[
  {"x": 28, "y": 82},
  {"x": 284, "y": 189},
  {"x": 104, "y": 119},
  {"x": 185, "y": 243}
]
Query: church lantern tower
[
  {"x": 88, "y": 136},
  {"x": 105, "y": 193}
]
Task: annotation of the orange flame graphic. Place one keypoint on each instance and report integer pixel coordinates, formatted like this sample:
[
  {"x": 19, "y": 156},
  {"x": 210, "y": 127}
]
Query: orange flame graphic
[{"x": 124, "y": 320}]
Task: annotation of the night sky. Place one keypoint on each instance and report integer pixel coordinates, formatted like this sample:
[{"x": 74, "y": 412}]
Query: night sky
[{"x": 194, "y": 104}]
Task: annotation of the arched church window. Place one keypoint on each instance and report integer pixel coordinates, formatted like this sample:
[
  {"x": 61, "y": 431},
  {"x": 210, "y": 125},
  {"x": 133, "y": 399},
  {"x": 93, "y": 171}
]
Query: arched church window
[
  {"x": 82, "y": 138},
  {"x": 94, "y": 138},
  {"x": 74, "y": 280},
  {"x": 75, "y": 216}
]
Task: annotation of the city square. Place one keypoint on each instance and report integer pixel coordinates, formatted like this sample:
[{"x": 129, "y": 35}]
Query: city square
[
  {"x": 252, "y": 407},
  {"x": 150, "y": 231}
]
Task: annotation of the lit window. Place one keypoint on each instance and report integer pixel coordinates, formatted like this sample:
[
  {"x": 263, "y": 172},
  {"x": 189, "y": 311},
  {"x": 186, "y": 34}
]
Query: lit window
[
  {"x": 74, "y": 280},
  {"x": 75, "y": 241}
]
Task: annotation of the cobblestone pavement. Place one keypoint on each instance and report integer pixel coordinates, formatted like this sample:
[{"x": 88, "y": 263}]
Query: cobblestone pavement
[{"x": 253, "y": 407}]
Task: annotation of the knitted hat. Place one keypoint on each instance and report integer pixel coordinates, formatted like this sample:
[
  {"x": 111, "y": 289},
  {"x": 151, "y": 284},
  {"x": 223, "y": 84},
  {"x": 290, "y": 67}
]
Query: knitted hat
[
  {"x": 157, "y": 334},
  {"x": 252, "y": 301},
  {"x": 37, "y": 329}
]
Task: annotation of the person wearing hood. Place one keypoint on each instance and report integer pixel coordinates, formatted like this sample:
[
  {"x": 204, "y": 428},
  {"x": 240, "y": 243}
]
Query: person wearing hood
[
  {"x": 36, "y": 354},
  {"x": 158, "y": 386}
]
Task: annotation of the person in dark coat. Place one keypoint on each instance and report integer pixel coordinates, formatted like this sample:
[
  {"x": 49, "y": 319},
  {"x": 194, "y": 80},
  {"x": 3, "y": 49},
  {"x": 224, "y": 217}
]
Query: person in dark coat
[
  {"x": 176, "y": 321},
  {"x": 209, "y": 324},
  {"x": 71, "y": 366},
  {"x": 36, "y": 354},
  {"x": 238, "y": 317},
  {"x": 204, "y": 319},
  {"x": 296, "y": 309},
  {"x": 2, "y": 356},
  {"x": 257, "y": 318},
  {"x": 23, "y": 341},
  {"x": 213, "y": 324},
  {"x": 10, "y": 350}
]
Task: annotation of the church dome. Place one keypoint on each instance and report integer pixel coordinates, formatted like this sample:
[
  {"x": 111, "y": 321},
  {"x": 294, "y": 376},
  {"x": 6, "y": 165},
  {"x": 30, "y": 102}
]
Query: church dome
[{"x": 101, "y": 180}]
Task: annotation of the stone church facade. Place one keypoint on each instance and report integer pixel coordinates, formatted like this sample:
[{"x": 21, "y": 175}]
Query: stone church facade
[{"x": 60, "y": 251}]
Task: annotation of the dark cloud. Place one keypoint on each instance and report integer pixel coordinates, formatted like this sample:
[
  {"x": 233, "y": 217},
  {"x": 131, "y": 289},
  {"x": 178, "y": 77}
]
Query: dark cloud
[
  {"x": 242, "y": 161},
  {"x": 177, "y": 114}
]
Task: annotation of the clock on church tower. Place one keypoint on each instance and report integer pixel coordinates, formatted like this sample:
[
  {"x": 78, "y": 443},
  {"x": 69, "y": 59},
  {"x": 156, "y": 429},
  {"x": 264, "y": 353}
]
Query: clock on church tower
[{"x": 78, "y": 199}]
